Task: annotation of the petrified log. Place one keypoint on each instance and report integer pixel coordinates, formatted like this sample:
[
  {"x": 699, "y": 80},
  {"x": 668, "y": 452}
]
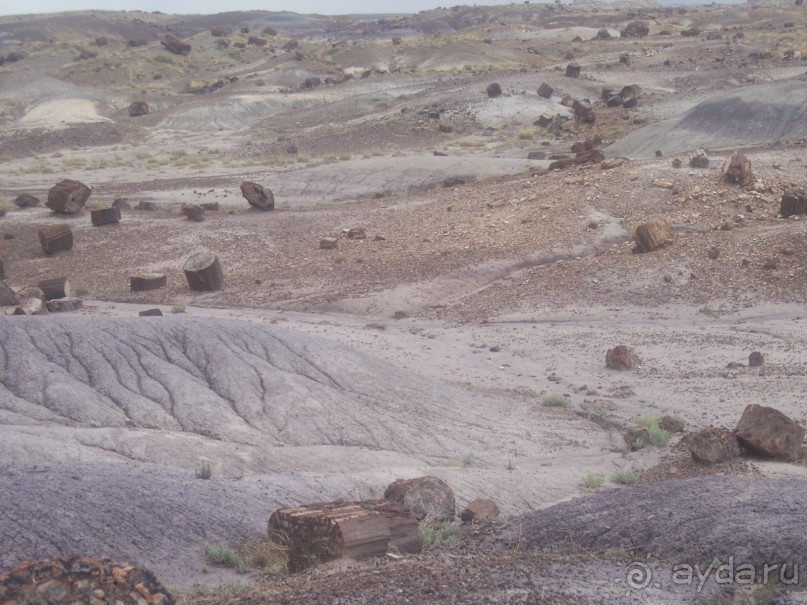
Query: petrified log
[
  {"x": 738, "y": 169},
  {"x": 257, "y": 196},
  {"x": 480, "y": 510},
  {"x": 138, "y": 108},
  {"x": 56, "y": 238},
  {"x": 793, "y": 202},
  {"x": 82, "y": 580},
  {"x": 621, "y": 357},
  {"x": 2, "y": 270},
  {"x": 768, "y": 432},
  {"x": 357, "y": 530},
  {"x": 494, "y": 90},
  {"x": 652, "y": 235},
  {"x": 150, "y": 313},
  {"x": 56, "y": 288},
  {"x": 203, "y": 272},
  {"x": 423, "y": 497},
  {"x": 30, "y": 305},
  {"x": 142, "y": 282},
  {"x": 175, "y": 45},
  {"x": 194, "y": 212},
  {"x": 713, "y": 446},
  {"x": 210, "y": 206},
  {"x": 68, "y": 196},
  {"x": 545, "y": 90},
  {"x": 105, "y": 216},
  {"x": 573, "y": 70},
  {"x": 146, "y": 206},
  {"x": 64, "y": 305}
]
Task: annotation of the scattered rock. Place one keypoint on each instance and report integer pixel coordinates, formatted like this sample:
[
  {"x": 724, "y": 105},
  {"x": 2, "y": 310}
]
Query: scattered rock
[
  {"x": 545, "y": 90},
  {"x": 257, "y": 196},
  {"x": 87, "y": 54},
  {"x": 101, "y": 41},
  {"x": 771, "y": 264},
  {"x": 137, "y": 42},
  {"x": 221, "y": 32},
  {"x": 64, "y": 305},
  {"x": 105, "y": 216},
  {"x": 453, "y": 181},
  {"x": 397, "y": 41},
  {"x": 671, "y": 424},
  {"x": 573, "y": 70},
  {"x": 150, "y": 313},
  {"x": 793, "y": 202},
  {"x": 713, "y": 446},
  {"x": 691, "y": 32},
  {"x": 612, "y": 163},
  {"x": 121, "y": 203},
  {"x": 676, "y": 163},
  {"x": 653, "y": 235},
  {"x": 143, "y": 282},
  {"x": 699, "y": 160},
  {"x": 713, "y": 252},
  {"x": 312, "y": 82},
  {"x": 738, "y": 169},
  {"x": 603, "y": 34},
  {"x": 194, "y": 212},
  {"x": 176, "y": 45},
  {"x": 536, "y": 155},
  {"x": 630, "y": 95},
  {"x": 768, "y": 432},
  {"x": 624, "y": 58},
  {"x": 636, "y": 438},
  {"x": 138, "y": 108},
  {"x": 621, "y": 357},
  {"x": 26, "y": 200},
  {"x": 635, "y": 29},
  {"x": 356, "y": 233},
  {"x": 544, "y": 120},
  {"x": 258, "y": 41},
  {"x": 494, "y": 90},
  {"x": 82, "y": 580},
  {"x": 424, "y": 497},
  {"x": 68, "y": 196},
  {"x": 210, "y": 206},
  {"x": 328, "y": 243},
  {"x": 446, "y": 128},
  {"x": 480, "y": 510},
  {"x": 756, "y": 360},
  {"x": 150, "y": 206}
]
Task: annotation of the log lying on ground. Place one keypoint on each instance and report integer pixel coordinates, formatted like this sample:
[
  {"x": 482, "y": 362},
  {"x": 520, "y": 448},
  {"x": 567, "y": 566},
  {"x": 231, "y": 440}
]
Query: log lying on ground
[
  {"x": 56, "y": 288},
  {"x": 142, "y": 282},
  {"x": 652, "y": 235},
  {"x": 56, "y": 238},
  {"x": 64, "y": 305},
  {"x": 203, "y": 272},
  {"x": 150, "y": 313},
  {"x": 316, "y": 533},
  {"x": 68, "y": 196},
  {"x": 105, "y": 216}
]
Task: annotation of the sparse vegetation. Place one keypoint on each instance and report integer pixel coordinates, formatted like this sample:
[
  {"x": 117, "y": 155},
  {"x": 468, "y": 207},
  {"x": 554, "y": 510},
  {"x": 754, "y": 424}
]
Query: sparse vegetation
[
  {"x": 593, "y": 481},
  {"x": 224, "y": 556},
  {"x": 3, "y": 376},
  {"x": 658, "y": 436},
  {"x": 555, "y": 400},
  {"x": 434, "y": 534},
  {"x": 625, "y": 476},
  {"x": 177, "y": 307},
  {"x": 80, "y": 290},
  {"x": 526, "y": 135}
]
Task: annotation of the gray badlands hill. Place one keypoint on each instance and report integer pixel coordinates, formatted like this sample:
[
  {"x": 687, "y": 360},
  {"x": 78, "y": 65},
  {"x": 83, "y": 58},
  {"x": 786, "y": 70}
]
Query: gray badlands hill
[{"x": 746, "y": 116}]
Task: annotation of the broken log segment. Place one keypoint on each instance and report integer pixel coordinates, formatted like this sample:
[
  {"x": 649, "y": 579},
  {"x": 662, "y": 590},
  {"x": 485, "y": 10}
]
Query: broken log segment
[
  {"x": 68, "y": 196},
  {"x": 258, "y": 196},
  {"x": 203, "y": 272},
  {"x": 150, "y": 313},
  {"x": 105, "y": 216},
  {"x": 317, "y": 533},
  {"x": 56, "y": 288},
  {"x": 56, "y": 238},
  {"x": 142, "y": 282},
  {"x": 652, "y": 235},
  {"x": 64, "y": 305},
  {"x": 2, "y": 270}
]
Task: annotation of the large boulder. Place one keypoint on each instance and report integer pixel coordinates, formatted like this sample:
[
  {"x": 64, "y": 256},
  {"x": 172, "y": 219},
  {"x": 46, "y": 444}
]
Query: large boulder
[
  {"x": 257, "y": 196},
  {"x": 68, "y": 196},
  {"x": 82, "y": 580},
  {"x": 768, "y": 432},
  {"x": 713, "y": 446},
  {"x": 480, "y": 510},
  {"x": 176, "y": 45},
  {"x": 635, "y": 29},
  {"x": 738, "y": 169},
  {"x": 424, "y": 497}
]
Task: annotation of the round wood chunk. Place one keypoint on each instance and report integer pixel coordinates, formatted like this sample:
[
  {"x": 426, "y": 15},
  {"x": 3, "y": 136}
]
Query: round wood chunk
[{"x": 203, "y": 272}]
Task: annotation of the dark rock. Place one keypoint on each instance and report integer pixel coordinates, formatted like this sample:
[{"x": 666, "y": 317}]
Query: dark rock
[
  {"x": 756, "y": 360},
  {"x": 691, "y": 32},
  {"x": 136, "y": 42},
  {"x": 256, "y": 41},
  {"x": 621, "y": 357},
  {"x": 221, "y": 32},
  {"x": 793, "y": 202},
  {"x": 635, "y": 29},
  {"x": 101, "y": 41},
  {"x": 699, "y": 160},
  {"x": 480, "y": 510},
  {"x": 536, "y": 155},
  {"x": 768, "y": 432},
  {"x": 26, "y": 200},
  {"x": 175, "y": 45},
  {"x": 356, "y": 233},
  {"x": 636, "y": 438},
  {"x": 150, "y": 313},
  {"x": 142, "y": 205},
  {"x": 653, "y": 235},
  {"x": 713, "y": 446},
  {"x": 138, "y": 108},
  {"x": 494, "y": 90},
  {"x": 573, "y": 70},
  {"x": 603, "y": 34},
  {"x": 257, "y": 196},
  {"x": 738, "y": 169},
  {"x": 194, "y": 212},
  {"x": 545, "y": 90},
  {"x": 68, "y": 196},
  {"x": 671, "y": 424}
]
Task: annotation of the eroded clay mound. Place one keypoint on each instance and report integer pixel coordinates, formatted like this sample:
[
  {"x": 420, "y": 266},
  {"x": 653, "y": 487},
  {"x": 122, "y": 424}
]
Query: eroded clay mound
[{"x": 754, "y": 520}]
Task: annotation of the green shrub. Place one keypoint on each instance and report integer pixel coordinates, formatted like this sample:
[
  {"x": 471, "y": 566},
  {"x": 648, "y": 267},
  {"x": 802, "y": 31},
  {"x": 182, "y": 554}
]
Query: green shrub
[
  {"x": 593, "y": 481},
  {"x": 224, "y": 556},
  {"x": 436, "y": 534},
  {"x": 659, "y": 436},
  {"x": 177, "y": 308},
  {"x": 625, "y": 476},
  {"x": 554, "y": 401}
]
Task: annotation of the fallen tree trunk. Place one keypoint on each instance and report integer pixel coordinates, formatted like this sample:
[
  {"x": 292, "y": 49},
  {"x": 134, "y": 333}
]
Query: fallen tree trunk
[
  {"x": 143, "y": 282},
  {"x": 105, "y": 216},
  {"x": 56, "y": 288},
  {"x": 316, "y": 533}
]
